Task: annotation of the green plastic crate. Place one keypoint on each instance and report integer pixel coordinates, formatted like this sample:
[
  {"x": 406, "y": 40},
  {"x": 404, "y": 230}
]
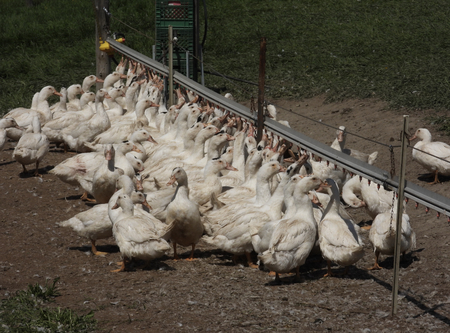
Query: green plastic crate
[{"x": 179, "y": 14}]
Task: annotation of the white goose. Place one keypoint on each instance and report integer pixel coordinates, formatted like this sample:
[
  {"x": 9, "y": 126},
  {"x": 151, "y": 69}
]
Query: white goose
[
  {"x": 425, "y": 152},
  {"x": 32, "y": 147},
  {"x": 62, "y": 120},
  {"x": 24, "y": 116},
  {"x": 95, "y": 224},
  {"x": 89, "y": 81},
  {"x": 293, "y": 240},
  {"x": 77, "y": 134},
  {"x": 61, "y": 107},
  {"x": 111, "y": 79},
  {"x": 382, "y": 235},
  {"x": 79, "y": 170},
  {"x": 4, "y": 124},
  {"x": 261, "y": 237},
  {"x": 339, "y": 238},
  {"x": 104, "y": 180},
  {"x": 115, "y": 110},
  {"x": 183, "y": 216},
  {"x": 122, "y": 127},
  {"x": 233, "y": 233},
  {"x": 339, "y": 144},
  {"x": 375, "y": 200},
  {"x": 135, "y": 235},
  {"x": 248, "y": 188},
  {"x": 14, "y": 133},
  {"x": 73, "y": 102}
]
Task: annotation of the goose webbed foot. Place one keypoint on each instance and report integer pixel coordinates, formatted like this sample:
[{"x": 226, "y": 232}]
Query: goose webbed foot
[
  {"x": 375, "y": 265},
  {"x": 95, "y": 252},
  {"x": 191, "y": 257},
  {"x": 122, "y": 268},
  {"x": 175, "y": 255},
  {"x": 250, "y": 261},
  {"x": 329, "y": 272},
  {"x": 436, "y": 178}
]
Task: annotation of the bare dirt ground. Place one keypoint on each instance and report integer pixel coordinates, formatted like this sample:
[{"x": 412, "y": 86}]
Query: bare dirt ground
[{"x": 212, "y": 294}]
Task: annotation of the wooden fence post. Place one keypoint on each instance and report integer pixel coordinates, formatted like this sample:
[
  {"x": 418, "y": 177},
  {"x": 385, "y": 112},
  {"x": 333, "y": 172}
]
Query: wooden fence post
[
  {"x": 262, "y": 76},
  {"x": 103, "y": 62}
]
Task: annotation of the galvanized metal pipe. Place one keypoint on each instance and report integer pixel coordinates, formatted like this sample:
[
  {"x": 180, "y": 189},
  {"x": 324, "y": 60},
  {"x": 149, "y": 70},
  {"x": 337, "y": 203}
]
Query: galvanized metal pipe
[
  {"x": 261, "y": 88},
  {"x": 412, "y": 191},
  {"x": 170, "y": 67},
  {"x": 398, "y": 231}
]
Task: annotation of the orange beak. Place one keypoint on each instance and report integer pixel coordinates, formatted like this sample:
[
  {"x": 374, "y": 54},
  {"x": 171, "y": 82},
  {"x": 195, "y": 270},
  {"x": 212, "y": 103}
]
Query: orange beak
[
  {"x": 150, "y": 138},
  {"x": 108, "y": 155},
  {"x": 171, "y": 181},
  {"x": 136, "y": 149},
  {"x": 146, "y": 204},
  {"x": 230, "y": 167}
]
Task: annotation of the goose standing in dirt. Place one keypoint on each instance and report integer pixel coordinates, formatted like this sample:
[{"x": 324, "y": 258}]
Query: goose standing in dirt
[
  {"x": 183, "y": 215},
  {"x": 95, "y": 224},
  {"x": 136, "y": 235},
  {"x": 382, "y": 235},
  {"x": 293, "y": 239},
  {"x": 32, "y": 147},
  {"x": 4, "y": 124},
  {"x": 339, "y": 238},
  {"x": 433, "y": 156},
  {"x": 339, "y": 144}
]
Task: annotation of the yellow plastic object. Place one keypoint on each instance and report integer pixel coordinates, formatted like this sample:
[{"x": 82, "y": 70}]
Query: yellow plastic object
[{"x": 105, "y": 47}]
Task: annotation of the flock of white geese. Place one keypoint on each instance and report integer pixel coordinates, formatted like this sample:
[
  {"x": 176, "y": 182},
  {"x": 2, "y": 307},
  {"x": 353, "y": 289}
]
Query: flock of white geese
[{"x": 166, "y": 176}]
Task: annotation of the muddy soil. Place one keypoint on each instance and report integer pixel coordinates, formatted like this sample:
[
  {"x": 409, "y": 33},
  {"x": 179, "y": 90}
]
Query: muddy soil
[{"x": 211, "y": 293}]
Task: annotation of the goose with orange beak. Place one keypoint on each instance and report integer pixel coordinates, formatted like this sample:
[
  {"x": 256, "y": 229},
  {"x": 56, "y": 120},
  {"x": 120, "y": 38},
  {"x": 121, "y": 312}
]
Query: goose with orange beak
[{"x": 183, "y": 216}]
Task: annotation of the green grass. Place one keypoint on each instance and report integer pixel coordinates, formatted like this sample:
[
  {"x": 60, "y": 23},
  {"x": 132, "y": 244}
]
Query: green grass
[
  {"x": 394, "y": 50},
  {"x": 27, "y": 311}
]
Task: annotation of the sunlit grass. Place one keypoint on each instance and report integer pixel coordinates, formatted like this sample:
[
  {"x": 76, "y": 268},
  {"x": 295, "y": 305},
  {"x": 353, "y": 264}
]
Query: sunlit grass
[{"x": 397, "y": 51}]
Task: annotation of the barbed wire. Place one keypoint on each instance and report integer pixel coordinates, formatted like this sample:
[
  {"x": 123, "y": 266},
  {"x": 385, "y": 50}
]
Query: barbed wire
[
  {"x": 214, "y": 71},
  {"x": 311, "y": 119},
  {"x": 278, "y": 106},
  {"x": 129, "y": 26},
  {"x": 334, "y": 127}
]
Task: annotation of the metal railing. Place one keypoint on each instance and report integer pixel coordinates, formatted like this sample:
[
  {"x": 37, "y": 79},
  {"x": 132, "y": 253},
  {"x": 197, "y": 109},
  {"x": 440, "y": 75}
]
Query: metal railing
[{"x": 412, "y": 191}]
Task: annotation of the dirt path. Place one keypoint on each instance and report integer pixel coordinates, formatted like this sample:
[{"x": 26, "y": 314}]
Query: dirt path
[{"x": 212, "y": 294}]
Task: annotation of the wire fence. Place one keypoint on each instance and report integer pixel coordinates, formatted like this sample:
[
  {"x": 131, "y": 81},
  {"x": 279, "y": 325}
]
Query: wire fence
[{"x": 420, "y": 195}]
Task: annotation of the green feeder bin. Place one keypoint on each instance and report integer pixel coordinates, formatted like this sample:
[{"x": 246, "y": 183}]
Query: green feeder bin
[{"x": 181, "y": 15}]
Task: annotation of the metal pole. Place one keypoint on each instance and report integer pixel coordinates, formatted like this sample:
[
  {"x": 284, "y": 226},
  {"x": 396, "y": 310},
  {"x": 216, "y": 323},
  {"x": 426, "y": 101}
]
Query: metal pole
[
  {"x": 201, "y": 66},
  {"x": 170, "y": 66},
  {"x": 398, "y": 230},
  {"x": 154, "y": 52},
  {"x": 262, "y": 75},
  {"x": 187, "y": 63}
]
